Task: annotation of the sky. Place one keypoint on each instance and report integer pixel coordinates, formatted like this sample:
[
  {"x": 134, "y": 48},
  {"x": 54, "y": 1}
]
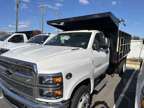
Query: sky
[{"x": 132, "y": 11}]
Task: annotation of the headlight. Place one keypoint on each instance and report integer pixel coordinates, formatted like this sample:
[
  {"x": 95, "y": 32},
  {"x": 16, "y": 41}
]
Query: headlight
[
  {"x": 51, "y": 86},
  {"x": 55, "y": 79},
  {"x": 2, "y": 50},
  {"x": 51, "y": 93}
]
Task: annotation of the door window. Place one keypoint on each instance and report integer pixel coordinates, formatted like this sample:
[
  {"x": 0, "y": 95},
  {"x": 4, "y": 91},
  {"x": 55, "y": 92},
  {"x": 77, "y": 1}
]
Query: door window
[
  {"x": 100, "y": 42},
  {"x": 16, "y": 39}
]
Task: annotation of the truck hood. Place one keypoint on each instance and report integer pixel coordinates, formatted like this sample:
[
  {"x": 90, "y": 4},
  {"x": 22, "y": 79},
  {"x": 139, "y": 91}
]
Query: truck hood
[
  {"x": 11, "y": 46},
  {"x": 48, "y": 57}
]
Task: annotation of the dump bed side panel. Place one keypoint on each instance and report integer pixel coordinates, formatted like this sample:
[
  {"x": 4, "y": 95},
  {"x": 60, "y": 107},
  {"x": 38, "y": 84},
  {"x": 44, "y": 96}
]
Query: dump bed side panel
[
  {"x": 120, "y": 47},
  {"x": 124, "y": 45},
  {"x": 113, "y": 47}
]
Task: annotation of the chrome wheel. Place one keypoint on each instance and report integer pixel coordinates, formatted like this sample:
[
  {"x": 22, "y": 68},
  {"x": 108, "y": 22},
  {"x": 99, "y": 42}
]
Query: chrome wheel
[{"x": 84, "y": 101}]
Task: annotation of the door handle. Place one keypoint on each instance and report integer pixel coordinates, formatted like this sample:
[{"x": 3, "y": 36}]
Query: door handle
[{"x": 92, "y": 61}]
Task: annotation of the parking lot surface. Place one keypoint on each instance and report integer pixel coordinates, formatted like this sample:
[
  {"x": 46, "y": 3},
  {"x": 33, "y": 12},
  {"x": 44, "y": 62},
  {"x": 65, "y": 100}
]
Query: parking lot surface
[{"x": 117, "y": 93}]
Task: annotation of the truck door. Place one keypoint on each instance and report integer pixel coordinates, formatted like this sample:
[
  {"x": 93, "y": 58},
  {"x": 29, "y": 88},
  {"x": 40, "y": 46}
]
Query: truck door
[{"x": 100, "y": 51}]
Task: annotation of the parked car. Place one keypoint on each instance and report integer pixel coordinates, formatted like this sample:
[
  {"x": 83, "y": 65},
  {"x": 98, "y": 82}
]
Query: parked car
[{"x": 65, "y": 71}]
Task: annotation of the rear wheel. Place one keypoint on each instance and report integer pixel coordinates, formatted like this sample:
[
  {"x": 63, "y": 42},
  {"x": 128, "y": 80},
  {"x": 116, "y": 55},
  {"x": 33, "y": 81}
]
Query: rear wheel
[{"x": 81, "y": 98}]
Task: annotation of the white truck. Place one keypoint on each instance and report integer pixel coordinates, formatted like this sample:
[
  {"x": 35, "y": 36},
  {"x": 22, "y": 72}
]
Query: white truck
[
  {"x": 37, "y": 39},
  {"x": 65, "y": 71},
  {"x": 12, "y": 40}
]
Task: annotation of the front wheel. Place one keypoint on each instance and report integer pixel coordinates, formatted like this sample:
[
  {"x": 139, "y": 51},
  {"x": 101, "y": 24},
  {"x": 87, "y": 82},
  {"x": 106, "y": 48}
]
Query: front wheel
[{"x": 81, "y": 98}]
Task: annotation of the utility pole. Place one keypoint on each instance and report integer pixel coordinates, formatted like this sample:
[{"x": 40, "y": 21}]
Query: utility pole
[
  {"x": 17, "y": 14},
  {"x": 43, "y": 8}
]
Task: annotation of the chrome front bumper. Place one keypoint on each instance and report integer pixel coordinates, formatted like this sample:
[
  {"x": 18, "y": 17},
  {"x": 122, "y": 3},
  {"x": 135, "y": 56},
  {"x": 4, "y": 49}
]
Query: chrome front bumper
[{"x": 21, "y": 102}]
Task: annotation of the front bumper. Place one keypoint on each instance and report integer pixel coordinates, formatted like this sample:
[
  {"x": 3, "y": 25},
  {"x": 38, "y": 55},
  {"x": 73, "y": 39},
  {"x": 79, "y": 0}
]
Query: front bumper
[{"x": 21, "y": 102}]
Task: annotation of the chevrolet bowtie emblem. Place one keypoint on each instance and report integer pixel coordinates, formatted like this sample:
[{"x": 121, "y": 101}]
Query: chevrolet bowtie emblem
[{"x": 9, "y": 72}]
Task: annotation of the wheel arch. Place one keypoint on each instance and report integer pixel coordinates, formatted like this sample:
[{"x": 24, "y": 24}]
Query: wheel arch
[{"x": 84, "y": 82}]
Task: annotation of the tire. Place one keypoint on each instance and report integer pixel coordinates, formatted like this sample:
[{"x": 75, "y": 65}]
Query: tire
[{"x": 81, "y": 98}]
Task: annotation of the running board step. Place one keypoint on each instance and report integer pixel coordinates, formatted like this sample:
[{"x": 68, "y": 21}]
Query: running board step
[{"x": 101, "y": 85}]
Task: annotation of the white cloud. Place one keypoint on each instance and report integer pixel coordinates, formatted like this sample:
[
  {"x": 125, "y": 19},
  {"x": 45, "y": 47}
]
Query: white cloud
[
  {"x": 58, "y": 4},
  {"x": 114, "y": 3},
  {"x": 61, "y": 0},
  {"x": 11, "y": 26},
  {"x": 24, "y": 6},
  {"x": 23, "y": 25},
  {"x": 84, "y": 2},
  {"x": 27, "y": 1},
  {"x": 49, "y": 6}
]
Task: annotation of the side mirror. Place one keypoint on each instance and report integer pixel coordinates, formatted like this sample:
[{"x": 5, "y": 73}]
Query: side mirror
[
  {"x": 143, "y": 41},
  {"x": 96, "y": 45}
]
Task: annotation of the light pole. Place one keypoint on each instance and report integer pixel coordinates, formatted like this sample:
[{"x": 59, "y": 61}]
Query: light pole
[
  {"x": 17, "y": 14},
  {"x": 42, "y": 7}
]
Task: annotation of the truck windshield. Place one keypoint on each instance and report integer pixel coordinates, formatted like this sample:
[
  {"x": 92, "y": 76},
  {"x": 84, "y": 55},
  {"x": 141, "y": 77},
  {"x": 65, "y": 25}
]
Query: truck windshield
[
  {"x": 75, "y": 39},
  {"x": 38, "y": 39},
  {"x": 4, "y": 37}
]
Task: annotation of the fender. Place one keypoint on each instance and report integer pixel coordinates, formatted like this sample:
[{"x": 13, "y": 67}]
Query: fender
[{"x": 79, "y": 83}]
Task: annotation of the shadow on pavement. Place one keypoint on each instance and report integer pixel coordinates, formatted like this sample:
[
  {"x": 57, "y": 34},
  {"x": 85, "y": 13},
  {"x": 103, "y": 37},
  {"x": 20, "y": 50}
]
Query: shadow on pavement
[
  {"x": 128, "y": 100},
  {"x": 100, "y": 104}
]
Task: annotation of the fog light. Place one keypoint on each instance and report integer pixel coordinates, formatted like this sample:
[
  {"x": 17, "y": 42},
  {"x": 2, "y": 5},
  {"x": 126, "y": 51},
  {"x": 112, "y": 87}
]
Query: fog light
[
  {"x": 49, "y": 93},
  {"x": 58, "y": 93}
]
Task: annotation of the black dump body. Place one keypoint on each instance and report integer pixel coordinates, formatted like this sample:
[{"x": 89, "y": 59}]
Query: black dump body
[
  {"x": 105, "y": 22},
  {"x": 30, "y": 33}
]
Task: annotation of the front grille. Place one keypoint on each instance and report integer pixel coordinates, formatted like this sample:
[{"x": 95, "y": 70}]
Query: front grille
[
  {"x": 17, "y": 86},
  {"x": 22, "y": 67},
  {"x": 18, "y": 75}
]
